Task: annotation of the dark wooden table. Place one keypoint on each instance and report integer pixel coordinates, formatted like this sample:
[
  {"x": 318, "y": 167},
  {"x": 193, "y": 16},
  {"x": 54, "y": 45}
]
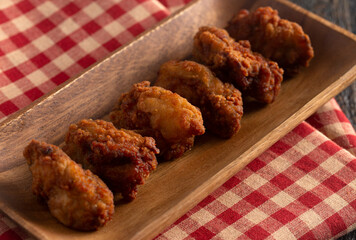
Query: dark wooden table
[{"x": 342, "y": 13}]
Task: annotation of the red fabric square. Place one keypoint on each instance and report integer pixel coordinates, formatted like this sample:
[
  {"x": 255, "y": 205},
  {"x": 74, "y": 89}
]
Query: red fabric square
[
  {"x": 136, "y": 29},
  {"x": 25, "y": 6},
  {"x": 256, "y": 198},
  {"x": 232, "y": 182},
  {"x": 303, "y": 130},
  {"x": 352, "y": 165},
  {"x": 257, "y": 233},
  {"x": 34, "y": 93},
  {"x": 112, "y": 45},
  {"x": 86, "y": 61},
  {"x": 181, "y": 219},
  {"x": 91, "y": 27},
  {"x": 66, "y": 43},
  {"x": 13, "y": 74},
  {"x": 306, "y": 164},
  {"x": 45, "y": 26},
  {"x": 19, "y": 40},
  {"x": 40, "y": 60},
  {"x": 206, "y": 201},
  {"x": 336, "y": 224},
  {"x": 3, "y": 17},
  {"x": 159, "y": 15},
  {"x": 281, "y": 181},
  {"x": 283, "y": 215},
  {"x": 115, "y": 11},
  {"x": 334, "y": 183},
  {"x": 70, "y": 9},
  {"x": 229, "y": 216},
  {"x": 309, "y": 199},
  {"x": 8, "y": 107},
  {"x": 330, "y": 147},
  {"x": 202, "y": 233},
  {"x": 341, "y": 116},
  {"x": 308, "y": 236},
  {"x": 60, "y": 78},
  {"x": 10, "y": 235},
  {"x": 256, "y": 165},
  {"x": 280, "y": 147}
]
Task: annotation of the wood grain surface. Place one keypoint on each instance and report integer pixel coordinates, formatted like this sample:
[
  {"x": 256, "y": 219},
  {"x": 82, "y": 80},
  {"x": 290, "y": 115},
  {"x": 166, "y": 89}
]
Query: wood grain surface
[
  {"x": 342, "y": 13},
  {"x": 211, "y": 162}
]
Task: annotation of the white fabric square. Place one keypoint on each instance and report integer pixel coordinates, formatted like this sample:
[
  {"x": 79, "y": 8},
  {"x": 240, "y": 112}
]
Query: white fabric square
[
  {"x": 43, "y": 43},
  {"x": 68, "y": 26},
  {"x": 282, "y": 199},
  {"x": 63, "y": 61},
  {"x": 175, "y": 233},
  {"x": 11, "y": 91},
  {"x": 229, "y": 233},
  {"x": 139, "y": 13},
  {"x": 307, "y": 182},
  {"x": 37, "y": 77},
  {"x": 311, "y": 218},
  {"x": 202, "y": 216},
  {"x": 255, "y": 181},
  {"x": 47, "y": 8},
  {"x": 256, "y": 216},
  {"x": 229, "y": 199},
  {"x": 93, "y": 10}
]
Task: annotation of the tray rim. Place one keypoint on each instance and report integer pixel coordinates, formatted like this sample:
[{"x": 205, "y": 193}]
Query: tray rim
[{"x": 347, "y": 78}]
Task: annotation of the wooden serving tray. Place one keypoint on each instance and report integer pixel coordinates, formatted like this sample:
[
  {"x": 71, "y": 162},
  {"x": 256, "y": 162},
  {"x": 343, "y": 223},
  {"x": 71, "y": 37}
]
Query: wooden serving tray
[{"x": 179, "y": 185}]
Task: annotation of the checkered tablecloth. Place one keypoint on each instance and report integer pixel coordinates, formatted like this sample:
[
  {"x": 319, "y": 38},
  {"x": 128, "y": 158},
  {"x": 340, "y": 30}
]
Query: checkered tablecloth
[{"x": 304, "y": 186}]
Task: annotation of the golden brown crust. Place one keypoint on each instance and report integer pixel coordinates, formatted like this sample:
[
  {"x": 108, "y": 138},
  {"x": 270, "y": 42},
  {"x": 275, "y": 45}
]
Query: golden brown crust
[
  {"x": 278, "y": 39},
  {"x": 76, "y": 197},
  {"x": 235, "y": 62},
  {"x": 220, "y": 103},
  {"x": 122, "y": 158},
  {"x": 170, "y": 119}
]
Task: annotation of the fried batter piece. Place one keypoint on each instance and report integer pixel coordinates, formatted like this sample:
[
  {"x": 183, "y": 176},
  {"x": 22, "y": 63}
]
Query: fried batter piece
[
  {"x": 277, "y": 39},
  {"x": 76, "y": 197},
  {"x": 167, "y": 117},
  {"x": 220, "y": 103},
  {"x": 235, "y": 62},
  {"x": 122, "y": 158}
]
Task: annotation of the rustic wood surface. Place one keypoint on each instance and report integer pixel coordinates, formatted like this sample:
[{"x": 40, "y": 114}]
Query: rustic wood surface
[
  {"x": 44, "y": 121},
  {"x": 342, "y": 13}
]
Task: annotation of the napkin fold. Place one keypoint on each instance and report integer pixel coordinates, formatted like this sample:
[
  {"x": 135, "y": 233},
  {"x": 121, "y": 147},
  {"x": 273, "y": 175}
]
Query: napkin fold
[{"x": 304, "y": 186}]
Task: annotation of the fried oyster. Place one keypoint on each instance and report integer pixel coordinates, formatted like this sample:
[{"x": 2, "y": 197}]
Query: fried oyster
[
  {"x": 122, "y": 158},
  {"x": 76, "y": 197},
  {"x": 278, "y": 39},
  {"x": 220, "y": 103},
  {"x": 167, "y": 117},
  {"x": 234, "y": 62}
]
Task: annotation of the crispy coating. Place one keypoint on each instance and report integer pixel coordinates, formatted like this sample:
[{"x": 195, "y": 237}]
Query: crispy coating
[
  {"x": 277, "y": 39},
  {"x": 167, "y": 117},
  {"x": 235, "y": 62},
  {"x": 220, "y": 103},
  {"x": 122, "y": 158},
  {"x": 76, "y": 197}
]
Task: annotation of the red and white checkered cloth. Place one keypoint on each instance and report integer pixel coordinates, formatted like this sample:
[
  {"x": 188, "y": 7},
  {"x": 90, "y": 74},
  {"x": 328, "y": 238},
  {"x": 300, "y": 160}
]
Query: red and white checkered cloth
[{"x": 304, "y": 186}]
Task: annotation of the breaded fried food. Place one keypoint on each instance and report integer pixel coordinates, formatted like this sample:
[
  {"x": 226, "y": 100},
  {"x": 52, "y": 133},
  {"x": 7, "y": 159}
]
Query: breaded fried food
[
  {"x": 220, "y": 103},
  {"x": 122, "y": 158},
  {"x": 234, "y": 62},
  {"x": 167, "y": 117},
  {"x": 76, "y": 197},
  {"x": 277, "y": 39}
]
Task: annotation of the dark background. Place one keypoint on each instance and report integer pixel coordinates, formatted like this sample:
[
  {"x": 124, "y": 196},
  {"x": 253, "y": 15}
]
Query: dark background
[{"x": 342, "y": 13}]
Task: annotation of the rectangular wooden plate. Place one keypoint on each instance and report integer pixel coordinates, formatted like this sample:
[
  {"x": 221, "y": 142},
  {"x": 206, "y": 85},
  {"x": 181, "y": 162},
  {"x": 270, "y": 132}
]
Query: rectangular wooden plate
[{"x": 179, "y": 185}]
